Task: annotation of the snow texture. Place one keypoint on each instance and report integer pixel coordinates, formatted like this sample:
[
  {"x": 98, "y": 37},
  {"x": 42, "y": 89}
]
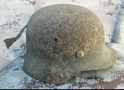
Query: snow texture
[{"x": 14, "y": 14}]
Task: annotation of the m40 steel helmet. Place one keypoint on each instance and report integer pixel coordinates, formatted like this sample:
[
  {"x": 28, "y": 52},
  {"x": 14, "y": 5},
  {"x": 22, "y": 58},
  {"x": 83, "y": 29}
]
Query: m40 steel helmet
[{"x": 62, "y": 41}]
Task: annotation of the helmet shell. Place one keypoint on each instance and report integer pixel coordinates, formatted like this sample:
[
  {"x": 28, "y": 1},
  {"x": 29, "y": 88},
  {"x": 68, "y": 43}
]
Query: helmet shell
[{"x": 54, "y": 36}]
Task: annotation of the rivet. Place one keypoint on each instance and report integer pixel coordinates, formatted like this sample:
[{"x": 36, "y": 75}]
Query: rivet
[{"x": 80, "y": 54}]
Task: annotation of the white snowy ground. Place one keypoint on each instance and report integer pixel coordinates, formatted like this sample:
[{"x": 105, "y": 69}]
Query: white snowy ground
[{"x": 14, "y": 14}]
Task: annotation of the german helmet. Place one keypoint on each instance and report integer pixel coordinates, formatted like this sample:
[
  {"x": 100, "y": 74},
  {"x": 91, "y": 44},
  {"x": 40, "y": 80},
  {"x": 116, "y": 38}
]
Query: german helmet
[{"x": 64, "y": 40}]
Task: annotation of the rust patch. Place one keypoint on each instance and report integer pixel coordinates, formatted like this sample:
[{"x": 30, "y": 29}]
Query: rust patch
[
  {"x": 19, "y": 20},
  {"x": 101, "y": 84},
  {"x": 37, "y": 85},
  {"x": 122, "y": 6},
  {"x": 109, "y": 35},
  {"x": 73, "y": 0},
  {"x": 18, "y": 15},
  {"x": 108, "y": 3}
]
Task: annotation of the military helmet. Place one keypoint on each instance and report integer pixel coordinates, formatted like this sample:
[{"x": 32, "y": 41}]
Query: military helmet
[{"x": 64, "y": 40}]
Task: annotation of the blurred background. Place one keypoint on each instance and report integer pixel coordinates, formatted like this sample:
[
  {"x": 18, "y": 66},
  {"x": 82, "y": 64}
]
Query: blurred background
[{"x": 14, "y": 15}]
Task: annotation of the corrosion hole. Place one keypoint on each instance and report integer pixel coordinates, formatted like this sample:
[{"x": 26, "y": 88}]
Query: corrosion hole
[{"x": 56, "y": 39}]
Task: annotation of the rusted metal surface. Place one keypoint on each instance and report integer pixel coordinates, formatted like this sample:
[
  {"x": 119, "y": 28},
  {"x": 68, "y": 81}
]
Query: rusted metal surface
[{"x": 54, "y": 35}]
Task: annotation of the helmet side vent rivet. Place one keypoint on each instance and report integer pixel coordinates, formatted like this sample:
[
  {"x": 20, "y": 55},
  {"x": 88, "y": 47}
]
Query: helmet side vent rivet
[{"x": 80, "y": 54}]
